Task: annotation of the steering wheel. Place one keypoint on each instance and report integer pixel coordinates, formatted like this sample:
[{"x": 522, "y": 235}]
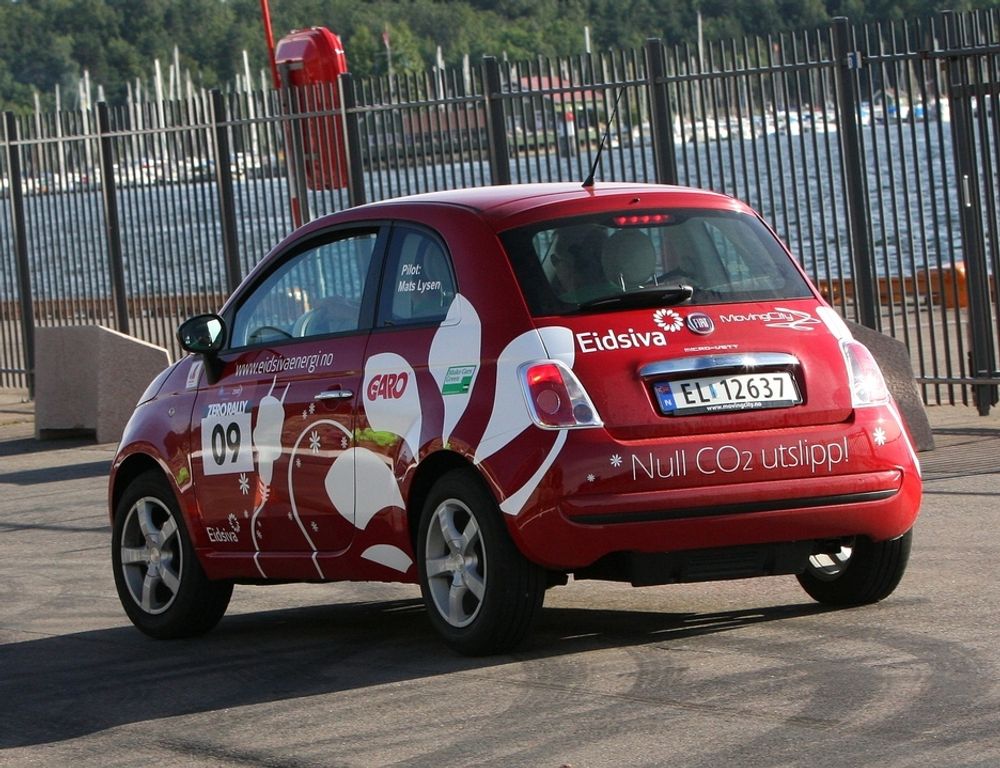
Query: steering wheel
[{"x": 267, "y": 333}]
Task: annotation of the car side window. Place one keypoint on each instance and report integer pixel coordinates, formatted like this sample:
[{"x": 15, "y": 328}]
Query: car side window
[
  {"x": 419, "y": 283},
  {"x": 315, "y": 292}
]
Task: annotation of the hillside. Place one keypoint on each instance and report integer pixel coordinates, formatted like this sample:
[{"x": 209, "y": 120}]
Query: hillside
[{"x": 50, "y": 43}]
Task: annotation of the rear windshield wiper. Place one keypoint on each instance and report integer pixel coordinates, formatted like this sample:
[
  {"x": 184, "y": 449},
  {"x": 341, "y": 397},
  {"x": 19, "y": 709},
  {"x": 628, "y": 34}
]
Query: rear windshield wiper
[{"x": 656, "y": 296}]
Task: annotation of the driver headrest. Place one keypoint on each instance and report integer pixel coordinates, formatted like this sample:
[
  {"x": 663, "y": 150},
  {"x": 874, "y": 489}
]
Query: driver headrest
[{"x": 629, "y": 258}]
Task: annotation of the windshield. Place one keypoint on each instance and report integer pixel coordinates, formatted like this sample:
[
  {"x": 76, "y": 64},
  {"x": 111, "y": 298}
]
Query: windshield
[{"x": 652, "y": 258}]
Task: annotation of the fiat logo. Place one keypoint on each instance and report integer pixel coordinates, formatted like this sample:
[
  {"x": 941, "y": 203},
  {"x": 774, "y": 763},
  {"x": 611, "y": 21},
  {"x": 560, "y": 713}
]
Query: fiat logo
[{"x": 700, "y": 323}]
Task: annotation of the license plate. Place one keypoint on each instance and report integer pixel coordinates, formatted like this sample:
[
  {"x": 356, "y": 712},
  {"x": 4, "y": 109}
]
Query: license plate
[{"x": 717, "y": 394}]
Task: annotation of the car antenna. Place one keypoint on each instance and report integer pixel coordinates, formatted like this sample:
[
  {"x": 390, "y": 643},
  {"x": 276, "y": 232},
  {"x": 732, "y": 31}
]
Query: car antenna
[{"x": 589, "y": 182}]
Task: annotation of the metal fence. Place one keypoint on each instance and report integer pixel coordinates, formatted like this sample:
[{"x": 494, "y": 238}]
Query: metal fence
[{"x": 874, "y": 151}]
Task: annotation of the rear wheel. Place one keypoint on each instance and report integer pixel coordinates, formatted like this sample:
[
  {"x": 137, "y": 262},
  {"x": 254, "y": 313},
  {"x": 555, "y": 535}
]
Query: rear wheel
[
  {"x": 481, "y": 593},
  {"x": 862, "y": 573},
  {"x": 160, "y": 582}
]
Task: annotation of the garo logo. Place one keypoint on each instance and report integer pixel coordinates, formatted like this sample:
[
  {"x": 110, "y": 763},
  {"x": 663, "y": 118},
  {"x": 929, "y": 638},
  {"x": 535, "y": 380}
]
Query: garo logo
[
  {"x": 668, "y": 320},
  {"x": 388, "y": 386}
]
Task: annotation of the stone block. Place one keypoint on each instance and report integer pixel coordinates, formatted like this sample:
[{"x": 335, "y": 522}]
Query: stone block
[
  {"x": 88, "y": 379},
  {"x": 895, "y": 363}
]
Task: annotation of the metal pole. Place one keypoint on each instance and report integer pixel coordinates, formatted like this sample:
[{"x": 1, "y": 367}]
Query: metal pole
[
  {"x": 982, "y": 360},
  {"x": 294, "y": 158},
  {"x": 265, "y": 12},
  {"x": 862, "y": 261},
  {"x": 224, "y": 184},
  {"x": 496, "y": 127},
  {"x": 660, "y": 118},
  {"x": 111, "y": 225},
  {"x": 19, "y": 231},
  {"x": 350, "y": 121}
]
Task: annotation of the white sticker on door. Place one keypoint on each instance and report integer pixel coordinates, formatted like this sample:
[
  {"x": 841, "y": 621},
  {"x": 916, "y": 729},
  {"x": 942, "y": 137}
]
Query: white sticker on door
[{"x": 225, "y": 439}]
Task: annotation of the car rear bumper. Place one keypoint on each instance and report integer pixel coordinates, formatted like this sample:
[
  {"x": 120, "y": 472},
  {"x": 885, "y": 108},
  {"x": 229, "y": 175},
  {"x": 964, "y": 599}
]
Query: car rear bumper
[
  {"x": 736, "y": 500},
  {"x": 859, "y": 478}
]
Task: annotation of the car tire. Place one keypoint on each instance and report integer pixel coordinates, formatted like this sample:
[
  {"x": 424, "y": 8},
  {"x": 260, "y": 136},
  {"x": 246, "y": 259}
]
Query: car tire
[
  {"x": 160, "y": 582},
  {"x": 481, "y": 593},
  {"x": 859, "y": 575}
]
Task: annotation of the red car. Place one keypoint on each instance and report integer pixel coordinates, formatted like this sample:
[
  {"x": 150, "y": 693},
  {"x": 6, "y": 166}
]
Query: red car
[{"x": 484, "y": 391}]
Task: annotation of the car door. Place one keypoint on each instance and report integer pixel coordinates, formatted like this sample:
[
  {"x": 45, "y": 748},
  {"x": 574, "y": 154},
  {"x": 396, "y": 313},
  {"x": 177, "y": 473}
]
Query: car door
[
  {"x": 417, "y": 343},
  {"x": 273, "y": 426}
]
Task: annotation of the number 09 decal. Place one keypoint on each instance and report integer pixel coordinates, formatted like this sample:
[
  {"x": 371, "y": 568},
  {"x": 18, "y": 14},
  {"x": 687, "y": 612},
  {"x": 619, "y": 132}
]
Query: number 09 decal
[{"x": 226, "y": 445}]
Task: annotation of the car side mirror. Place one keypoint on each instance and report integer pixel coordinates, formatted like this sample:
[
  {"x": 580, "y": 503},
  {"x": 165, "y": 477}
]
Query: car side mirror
[{"x": 204, "y": 335}]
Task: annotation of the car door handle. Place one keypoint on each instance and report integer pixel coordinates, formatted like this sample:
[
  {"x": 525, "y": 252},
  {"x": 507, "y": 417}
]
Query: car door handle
[{"x": 334, "y": 394}]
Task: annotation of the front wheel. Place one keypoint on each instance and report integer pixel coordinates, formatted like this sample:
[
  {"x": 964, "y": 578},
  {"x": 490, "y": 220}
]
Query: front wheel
[
  {"x": 862, "y": 573},
  {"x": 481, "y": 593},
  {"x": 160, "y": 582}
]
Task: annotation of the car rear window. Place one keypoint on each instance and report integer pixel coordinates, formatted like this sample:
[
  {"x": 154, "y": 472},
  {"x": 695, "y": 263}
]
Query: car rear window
[{"x": 600, "y": 262}]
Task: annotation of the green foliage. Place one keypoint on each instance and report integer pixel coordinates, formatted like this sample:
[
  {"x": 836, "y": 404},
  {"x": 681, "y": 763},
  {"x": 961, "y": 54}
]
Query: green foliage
[{"x": 45, "y": 43}]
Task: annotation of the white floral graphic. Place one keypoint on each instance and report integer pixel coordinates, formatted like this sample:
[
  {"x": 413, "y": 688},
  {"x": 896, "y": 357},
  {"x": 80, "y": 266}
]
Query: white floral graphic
[
  {"x": 879, "y": 436},
  {"x": 314, "y": 442},
  {"x": 244, "y": 484},
  {"x": 668, "y": 320},
  {"x": 616, "y": 460}
]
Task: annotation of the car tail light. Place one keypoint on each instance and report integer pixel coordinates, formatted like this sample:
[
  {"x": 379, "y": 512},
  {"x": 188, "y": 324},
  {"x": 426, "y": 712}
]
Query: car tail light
[
  {"x": 642, "y": 219},
  {"x": 556, "y": 399},
  {"x": 867, "y": 384}
]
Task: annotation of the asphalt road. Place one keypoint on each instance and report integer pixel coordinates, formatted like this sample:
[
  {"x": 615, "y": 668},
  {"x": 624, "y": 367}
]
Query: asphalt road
[{"x": 729, "y": 674}]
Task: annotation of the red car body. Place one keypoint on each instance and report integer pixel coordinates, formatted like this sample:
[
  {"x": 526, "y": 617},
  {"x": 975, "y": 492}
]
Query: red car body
[{"x": 598, "y": 429}]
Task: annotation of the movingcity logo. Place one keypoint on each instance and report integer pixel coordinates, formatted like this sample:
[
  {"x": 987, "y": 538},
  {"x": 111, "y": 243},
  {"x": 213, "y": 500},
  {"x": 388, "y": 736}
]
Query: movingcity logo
[{"x": 779, "y": 317}]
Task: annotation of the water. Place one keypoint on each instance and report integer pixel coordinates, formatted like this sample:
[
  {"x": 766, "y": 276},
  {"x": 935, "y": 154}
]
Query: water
[{"x": 172, "y": 235}]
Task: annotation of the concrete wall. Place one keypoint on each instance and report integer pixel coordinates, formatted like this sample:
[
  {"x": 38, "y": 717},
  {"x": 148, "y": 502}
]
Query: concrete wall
[{"x": 88, "y": 379}]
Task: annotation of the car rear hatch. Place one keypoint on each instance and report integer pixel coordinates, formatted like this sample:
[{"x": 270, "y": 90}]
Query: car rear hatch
[
  {"x": 684, "y": 321},
  {"x": 709, "y": 369}
]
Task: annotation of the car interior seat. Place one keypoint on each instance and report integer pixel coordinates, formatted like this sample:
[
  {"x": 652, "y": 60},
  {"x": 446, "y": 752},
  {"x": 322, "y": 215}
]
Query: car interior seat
[{"x": 629, "y": 259}]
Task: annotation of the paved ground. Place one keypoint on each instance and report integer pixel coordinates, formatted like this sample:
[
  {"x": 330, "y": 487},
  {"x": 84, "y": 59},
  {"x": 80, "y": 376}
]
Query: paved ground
[{"x": 735, "y": 674}]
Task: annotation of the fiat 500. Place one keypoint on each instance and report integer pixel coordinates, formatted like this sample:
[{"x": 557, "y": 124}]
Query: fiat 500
[{"x": 486, "y": 391}]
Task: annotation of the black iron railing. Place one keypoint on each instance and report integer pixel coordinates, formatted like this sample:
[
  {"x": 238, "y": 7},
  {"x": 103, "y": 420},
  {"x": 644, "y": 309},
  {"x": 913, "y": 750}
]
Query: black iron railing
[{"x": 874, "y": 152}]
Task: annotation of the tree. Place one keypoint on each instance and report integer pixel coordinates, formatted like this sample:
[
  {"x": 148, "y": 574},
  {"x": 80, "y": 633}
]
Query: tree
[
  {"x": 404, "y": 47},
  {"x": 364, "y": 51},
  {"x": 44, "y": 43}
]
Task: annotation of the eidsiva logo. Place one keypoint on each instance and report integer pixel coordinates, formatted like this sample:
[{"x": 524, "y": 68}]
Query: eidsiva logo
[{"x": 668, "y": 320}]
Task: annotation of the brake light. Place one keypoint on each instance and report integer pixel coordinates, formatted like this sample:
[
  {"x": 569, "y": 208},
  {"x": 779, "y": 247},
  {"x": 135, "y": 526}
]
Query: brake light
[
  {"x": 642, "y": 219},
  {"x": 556, "y": 398},
  {"x": 867, "y": 383}
]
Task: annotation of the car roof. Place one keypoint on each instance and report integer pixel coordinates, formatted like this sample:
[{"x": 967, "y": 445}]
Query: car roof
[
  {"x": 507, "y": 205},
  {"x": 513, "y": 198}
]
